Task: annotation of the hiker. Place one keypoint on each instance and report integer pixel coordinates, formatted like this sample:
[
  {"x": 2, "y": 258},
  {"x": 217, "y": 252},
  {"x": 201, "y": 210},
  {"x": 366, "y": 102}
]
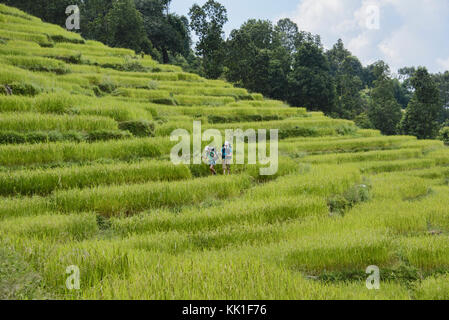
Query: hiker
[
  {"x": 211, "y": 157},
  {"x": 212, "y": 160},
  {"x": 226, "y": 157}
]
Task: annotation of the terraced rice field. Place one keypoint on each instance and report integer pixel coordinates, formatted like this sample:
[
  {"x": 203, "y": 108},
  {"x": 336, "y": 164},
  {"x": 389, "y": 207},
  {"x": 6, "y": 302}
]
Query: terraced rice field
[{"x": 80, "y": 187}]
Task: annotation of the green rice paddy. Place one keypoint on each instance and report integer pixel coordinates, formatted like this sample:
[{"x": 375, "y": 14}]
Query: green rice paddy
[{"x": 139, "y": 227}]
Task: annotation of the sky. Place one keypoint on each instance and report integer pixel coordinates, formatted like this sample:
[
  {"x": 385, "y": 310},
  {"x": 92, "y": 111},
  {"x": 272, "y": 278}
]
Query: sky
[{"x": 400, "y": 32}]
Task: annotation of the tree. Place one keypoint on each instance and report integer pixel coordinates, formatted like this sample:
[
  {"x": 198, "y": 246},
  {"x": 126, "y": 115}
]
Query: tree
[
  {"x": 349, "y": 103},
  {"x": 207, "y": 22},
  {"x": 256, "y": 60},
  {"x": 310, "y": 83},
  {"x": 421, "y": 116},
  {"x": 375, "y": 71},
  {"x": 442, "y": 81},
  {"x": 113, "y": 22},
  {"x": 347, "y": 72},
  {"x": 49, "y": 11},
  {"x": 384, "y": 111},
  {"x": 336, "y": 57},
  {"x": 125, "y": 27},
  {"x": 288, "y": 34},
  {"x": 405, "y": 74},
  {"x": 93, "y": 19},
  {"x": 401, "y": 93},
  {"x": 363, "y": 121},
  {"x": 169, "y": 33}
]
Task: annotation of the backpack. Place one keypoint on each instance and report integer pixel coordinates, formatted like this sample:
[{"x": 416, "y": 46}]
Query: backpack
[{"x": 228, "y": 153}]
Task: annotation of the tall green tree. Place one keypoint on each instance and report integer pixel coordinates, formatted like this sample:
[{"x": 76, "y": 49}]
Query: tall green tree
[
  {"x": 347, "y": 72},
  {"x": 401, "y": 93},
  {"x": 256, "y": 60},
  {"x": 310, "y": 83},
  {"x": 169, "y": 33},
  {"x": 384, "y": 112},
  {"x": 442, "y": 81},
  {"x": 288, "y": 34},
  {"x": 125, "y": 27},
  {"x": 403, "y": 87},
  {"x": 207, "y": 21},
  {"x": 260, "y": 56},
  {"x": 424, "y": 109},
  {"x": 93, "y": 19}
]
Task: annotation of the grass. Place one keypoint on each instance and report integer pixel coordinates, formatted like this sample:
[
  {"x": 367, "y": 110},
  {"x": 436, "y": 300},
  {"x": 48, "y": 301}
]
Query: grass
[
  {"x": 399, "y": 165},
  {"x": 17, "y": 280},
  {"x": 139, "y": 227},
  {"x": 365, "y": 156},
  {"x": 40, "y": 122},
  {"x": 433, "y": 288},
  {"x": 319, "y": 146},
  {"x": 127, "y": 200},
  {"x": 45, "y": 181},
  {"x": 272, "y": 210},
  {"x": 26, "y": 36},
  {"x": 39, "y": 154}
]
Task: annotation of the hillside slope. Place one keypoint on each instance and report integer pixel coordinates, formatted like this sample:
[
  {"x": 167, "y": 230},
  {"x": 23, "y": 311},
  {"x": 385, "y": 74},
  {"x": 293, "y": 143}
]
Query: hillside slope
[{"x": 86, "y": 180}]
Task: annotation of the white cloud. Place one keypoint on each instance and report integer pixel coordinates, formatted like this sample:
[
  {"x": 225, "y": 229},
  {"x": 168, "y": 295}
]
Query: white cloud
[
  {"x": 444, "y": 63},
  {"x": 411, "y": 32}
]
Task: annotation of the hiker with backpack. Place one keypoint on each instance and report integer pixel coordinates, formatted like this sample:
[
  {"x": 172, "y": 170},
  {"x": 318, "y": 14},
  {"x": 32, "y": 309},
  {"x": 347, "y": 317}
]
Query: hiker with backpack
[
  {"x": 226, "y": 157},
  {"x": 211, "y": 157}
]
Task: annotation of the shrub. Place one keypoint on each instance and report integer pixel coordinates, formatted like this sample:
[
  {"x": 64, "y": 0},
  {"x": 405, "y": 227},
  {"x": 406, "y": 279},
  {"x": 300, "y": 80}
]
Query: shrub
[
  {"x": 107, "y": 85},
  {"x": 24, "y": 89},
  {"x": 37, "y": 137},
  {"x": 74, "y": 136},
  {"x": 47, "y": 45},
  {"x": 153, "y": 85},
  {"x": 444, "y": 135},
  {"x": 61, "y": 38},
  {"x": 54, "y": 136},
  {"x": 363, "y": 121},
  {"x": 104, "y": 135},
  {"x": 217, "y": 119},
  {"x": 242, "y": 118},
  {"x": 12, "y": 138},
  {"x": 246, "y": 97},
  {"x": 257, "y": 96},
  {"x": 156, "y": 69},
  {"x": 166, "y": 101},
  {"x": 132, "y": 66},
  {"x": 97, "y": 91},
  {"x": 339, "y": 204},
  {"x": 346, "y": 130},
  {"x": 139, "y": 128},
  {"x": 72, "y": 59},
  {"x": 298, "y": 132}
]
